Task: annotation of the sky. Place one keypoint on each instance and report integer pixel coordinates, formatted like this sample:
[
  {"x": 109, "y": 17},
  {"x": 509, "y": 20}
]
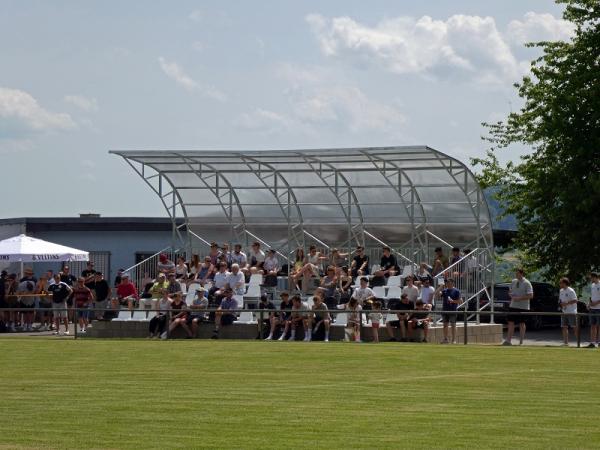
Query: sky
[{"x": 79, "y": 78}]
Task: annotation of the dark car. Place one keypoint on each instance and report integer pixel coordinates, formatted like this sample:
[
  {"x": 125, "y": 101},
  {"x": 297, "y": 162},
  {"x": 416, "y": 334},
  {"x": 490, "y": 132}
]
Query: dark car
[{"x": 545, "y": 299}]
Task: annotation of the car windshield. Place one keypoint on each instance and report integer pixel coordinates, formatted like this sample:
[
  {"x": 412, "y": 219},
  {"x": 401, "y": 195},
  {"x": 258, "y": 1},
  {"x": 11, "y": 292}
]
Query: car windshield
[{"x": 501, "y": 293}]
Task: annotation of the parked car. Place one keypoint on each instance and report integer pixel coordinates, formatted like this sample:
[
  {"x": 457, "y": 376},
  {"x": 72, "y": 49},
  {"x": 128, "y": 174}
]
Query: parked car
[{"x": 545, "y": 299}]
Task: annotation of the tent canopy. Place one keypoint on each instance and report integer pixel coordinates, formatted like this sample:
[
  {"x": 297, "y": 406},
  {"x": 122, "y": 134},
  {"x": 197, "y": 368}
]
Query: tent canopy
[{"x": 24, "y": 248}]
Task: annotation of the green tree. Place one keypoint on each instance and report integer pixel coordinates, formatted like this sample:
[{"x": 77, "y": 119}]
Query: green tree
[{"x": 554, "y": 191}]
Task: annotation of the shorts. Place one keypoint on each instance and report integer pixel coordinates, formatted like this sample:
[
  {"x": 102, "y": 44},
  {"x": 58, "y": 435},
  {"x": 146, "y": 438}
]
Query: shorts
[
  {"x": 568, "y": 320},
  {"x": 375, "y": 325},
  {"x": 394, "y": 323},
  {"x": 421, "y": 323},
  {"x": 449, "y": 318},
  {"x": 191, "y": 317},
  {"x": 26, "y": 306},
  {"x": 227, "y": 319},
  {"x": 594, "y": 316},
  {"x": 83, "y": 313},
  {"x": 59, "y": 310},
  {"x": 45, "y": 305},
  {"x": 516, "y": 318}
]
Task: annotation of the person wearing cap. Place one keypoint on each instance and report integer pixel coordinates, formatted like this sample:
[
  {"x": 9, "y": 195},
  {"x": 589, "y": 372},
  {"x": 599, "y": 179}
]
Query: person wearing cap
[
  {"x": 223, "y": 315},
  {"x": 117, "y": 281},
  {"x": 126, "y": 292},
  {"x": 284, "y": 315},
  {"x": 165, "y": 265},
  {"x": 265, "y": 303},
  {"x": 157, "y": 287},
  {"x": 199, "y": 303}
]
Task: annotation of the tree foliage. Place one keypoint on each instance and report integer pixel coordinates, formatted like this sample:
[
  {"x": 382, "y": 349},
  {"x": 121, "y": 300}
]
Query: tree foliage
[{"x": 554, "y": 191}]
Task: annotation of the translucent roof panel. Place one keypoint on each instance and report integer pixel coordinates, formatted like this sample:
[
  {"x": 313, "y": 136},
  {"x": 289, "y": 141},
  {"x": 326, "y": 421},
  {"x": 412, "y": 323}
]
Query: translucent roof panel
[{"x": 378, "y": 186}]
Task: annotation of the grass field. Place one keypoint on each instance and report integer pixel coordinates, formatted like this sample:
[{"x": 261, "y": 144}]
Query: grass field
[{"x": 231, "y": 394}]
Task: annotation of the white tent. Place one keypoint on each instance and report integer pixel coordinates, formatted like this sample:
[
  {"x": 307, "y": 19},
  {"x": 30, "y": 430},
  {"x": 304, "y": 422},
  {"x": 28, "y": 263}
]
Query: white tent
[{"x": 24, "y": 248}]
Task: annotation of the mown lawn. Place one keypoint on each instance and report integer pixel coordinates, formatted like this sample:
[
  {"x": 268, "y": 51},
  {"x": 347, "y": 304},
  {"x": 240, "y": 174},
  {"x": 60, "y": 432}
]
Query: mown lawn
[{"x": 142, "y": 394}]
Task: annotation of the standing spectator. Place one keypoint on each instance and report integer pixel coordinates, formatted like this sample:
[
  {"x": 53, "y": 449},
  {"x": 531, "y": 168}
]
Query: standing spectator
[
  {"x": 60, "y": 292},
  {"x": 426, "y": 294},
  {"x": 3, "y": 305},
  {"x": 568, "y": 305},
  {"x": 236, "y": 281},
  {"x": 360, "y": 263},
  {"x": 404, "y": 305},
  {"x": 388, "y": 267},
  {"x": 320, "y": 316},
  {"x": 126, "y": 292},
  {"x": 165, "y": 265},
  {"x": 595, "y": 311},
  {"x": 271, "y": 268},
  {"x": 45, "y": 303},
  {"x": 520, "y": 293},
  {"x": 364, "y": 292},
  {"x": 298, "y": 316},
  {"x": 450, "y": 301},
  {"x": 455, "y": 256},
  {"x": 89, "y": 273},
  {"x": 224, "y": 315},
  {"x": 181, "y": 269},
  {"x": 440, "y": 262},
  {"x": 26, "y": 287},
  {"x": 158, "y": 323},
  {"x": 10, "y": 288},
  {"x": 418, "y": 319},
  {"x": 83, "y": 297},
  {"x": 102, "y": 293},
  {"x": 264, "y": 321},
  {"x": 375, "y": 317},
  {"x": 70, "y": 279},
  {"x": 280, "y": 319}
]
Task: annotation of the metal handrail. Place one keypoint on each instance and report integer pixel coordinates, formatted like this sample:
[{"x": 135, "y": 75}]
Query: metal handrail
[
  {"x": 316, "y": 239},
  {"x": 376, "y": 239},
  {"x": 264, "y": 243},
  {"x": 148, "y": 258},
  {"x": 439, "y": 239}
]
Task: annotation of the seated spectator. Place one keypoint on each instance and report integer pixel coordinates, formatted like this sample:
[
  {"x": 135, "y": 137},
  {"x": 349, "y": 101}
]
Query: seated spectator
[
  {"x": 265, "y": 322},
  {"x": 102, "y": 293},
  {"x": 426, "y": 295},
  {"x": 319, "y": 317},
  {"x": 337, "y": 259},
  {"x": 296, "y": 272},
  {"x": 224, "y": 315},
  {"x": 455, "y": 256},
  {"x": 364, "y": 292},
  {"x": 352, "y": 331},
  {"x": 418, "y": 319},
  {"x": 423, "y": 273},
  {"x": 215, "y": 293},
  {"x": 180, "y": 315},
  {"x": 159, "y": 322},
  {"x": 83, "y": 297},
  {"x": 271, "y": 268},
  {"x": 181, "y": 269},
  {"x": 165, "y": 265},
  {"x": 214, "y": 254},
  {"x": 156, "y": 291},
  {"x": 126, "y": 292},
  {"x": 280, "y": 319},
  {"x": 199, "y": 304},
  {"x": 440, "y": 262},
  {"x": 329, "y": 284},
  {"x": 388, "y": 266},
  {"x": 173, "y": 286},
  {"x": 298, "y": 316},
  {"x": 345, "y": 285},
  {"x": 118, "y": 278},
  {"x": 360, "y": 263},
  {"x": 226, "y": 255},
  {"x": 256, "y": 257},
  {"x": 310, "y": 269},
  {"x": 194, "y": 266},
  {"x": 239, "y": 257},
  {"x": 390, "y": 325},
  {"x": 205, "y": 271},
  {"x": 236, "y": 281},
  {"x": 411, "y": 291}
]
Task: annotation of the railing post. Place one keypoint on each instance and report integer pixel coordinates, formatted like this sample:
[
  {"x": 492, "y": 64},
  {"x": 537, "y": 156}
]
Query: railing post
[
  {"x": 260, "y": 324},
  {"x": 75, "y": 320},
  {"x": 466, "y": 338},
  {"x": 578, "y": 330}
]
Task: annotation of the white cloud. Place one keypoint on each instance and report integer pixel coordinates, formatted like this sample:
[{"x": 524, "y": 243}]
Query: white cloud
[
  {"x": 266, "y": 122},
  {"x": 21, "y": 114},
  {"x": 176, "y": 73},
  {"x": 83, "y": 103},
  {"x": 539, "y": 27},
  {"x": 469, "y": 47}
]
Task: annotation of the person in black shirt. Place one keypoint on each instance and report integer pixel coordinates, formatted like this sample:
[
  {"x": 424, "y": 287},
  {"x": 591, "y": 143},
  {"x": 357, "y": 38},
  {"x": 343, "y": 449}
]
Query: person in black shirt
[
  {"x": 266, "y": 317},
  {"x": 388, "y": 267},
  {"x": 280, "y": 319},
  {"x": 69, "y": 279},
  {"x": 102, "y": 293},
  {"x": 90, "y": 275},
  {"x": 3, "y": 303},
  {"x": 118, "y": 277},
  {"x": 404, "y": 305},
  {"x": 360, "y": 263},
  {"x": 60, "y": 292}
]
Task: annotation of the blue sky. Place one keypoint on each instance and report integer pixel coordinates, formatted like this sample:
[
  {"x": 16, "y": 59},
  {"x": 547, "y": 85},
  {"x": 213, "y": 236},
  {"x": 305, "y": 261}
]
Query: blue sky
[{"x": 78, "y": 78}]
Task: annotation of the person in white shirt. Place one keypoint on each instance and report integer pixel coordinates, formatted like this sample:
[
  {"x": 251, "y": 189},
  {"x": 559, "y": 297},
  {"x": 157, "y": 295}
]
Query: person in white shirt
[
  {"x": 426, "y": 294},
  {"x": 364, "y": 292},
  {"x": 595, "y": 311},
  {"x": 568, "y": 305},
  {"x": 215, "y": 294},
  {"x": 411, "y": 291},
  {"x": 520, "y": 293},
  {"x": 236, "y": 280},
  {"x": 271, "y": 268},
  {"x": 239, "y": 257},
  {"x": 256, "y": 257}
]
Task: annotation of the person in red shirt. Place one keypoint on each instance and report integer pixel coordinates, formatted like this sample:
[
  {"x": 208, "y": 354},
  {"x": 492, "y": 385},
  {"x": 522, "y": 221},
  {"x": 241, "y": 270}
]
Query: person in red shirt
[
  {"x": 82, "y": 295},
  {"x": 126, "y": 292}
]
